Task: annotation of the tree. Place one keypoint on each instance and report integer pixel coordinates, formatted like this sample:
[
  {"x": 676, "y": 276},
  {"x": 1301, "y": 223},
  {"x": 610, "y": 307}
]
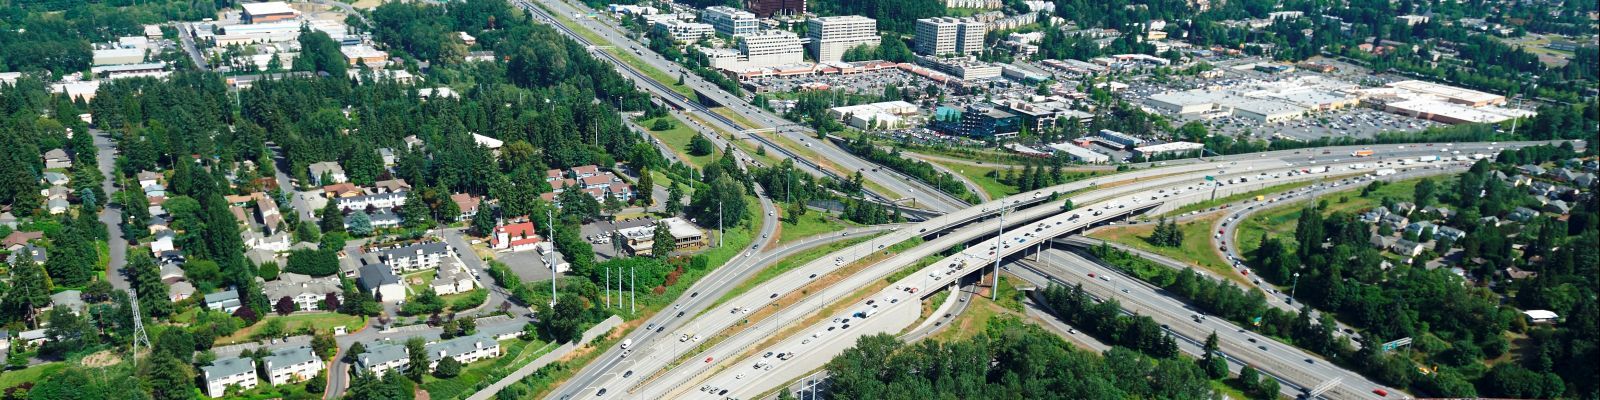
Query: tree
[
  {"x": 674, "y": 198},
  {"x": 483, "y": 222},
  {"x": 324, "y": 344},
  {"x": 30, "y": 290},
  {"x": 330, "y": 301},
  {"x": 285, "y": 306},
  {"x": 647, "y": 186},
  {"x": 1267, "y": 389},
  {"x": 355, "y": 351},
  {"x": 1214, "y": 366},
  {"x": 169, "y": 378},
  {"x": 448, "y": 368},
  {"x": 175, "y": 342},
  {"x": 416, "y": 212},
  {"x": 418, "y": 366},
  {"x": 699, "y": 146},
  {"x": 319, "y": 382},
  {"x": 360, "y": 224},
  {"x": 663, "y": 242},
  {"x": 332, "y": 219},
  {"x": 1249, "y": 377}
]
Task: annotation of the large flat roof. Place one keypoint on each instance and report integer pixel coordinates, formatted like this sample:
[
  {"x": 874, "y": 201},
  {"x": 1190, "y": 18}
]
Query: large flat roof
[
  {"x": 1449, "y": 92},
  {"x": 268, "y": 8}
]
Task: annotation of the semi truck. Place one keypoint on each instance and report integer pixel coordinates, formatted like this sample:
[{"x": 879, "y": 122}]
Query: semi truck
[
  {"x": 1385, "y": 171},
  {"x": 1361, "y": 153},
  {"x": 1424, "y": 159}
]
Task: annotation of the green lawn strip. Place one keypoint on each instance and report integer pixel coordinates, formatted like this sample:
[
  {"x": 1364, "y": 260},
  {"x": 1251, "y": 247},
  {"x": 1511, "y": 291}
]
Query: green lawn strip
[
  {"x": 1280, "y": 222},
  {"x": 744, "y": 123},
  {"x": 811, "y": 224},
  {"x": 629, "y": 59},
  {"x": 980, "y": 176},
  {"x": 478, "y": 375},
  {"x": 293, "y": 322},
  {"x": 1196, "y": 249},
  {"x": 678, "y": 138},
  {"x": 787, "y": 264},
  {"x": 30, "y": 374}
]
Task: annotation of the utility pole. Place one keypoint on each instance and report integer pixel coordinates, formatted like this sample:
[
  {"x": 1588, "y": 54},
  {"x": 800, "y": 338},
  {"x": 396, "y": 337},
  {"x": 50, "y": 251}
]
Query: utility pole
[
  {"x": 550, "y": 260},
  {"x": 722, "y": 232},
  {"x": 1000, "y": 240},
  {"x": 633, "y": 292},
  {"x": 139, "y": 336},
  {"x": 608, "y": 286}
]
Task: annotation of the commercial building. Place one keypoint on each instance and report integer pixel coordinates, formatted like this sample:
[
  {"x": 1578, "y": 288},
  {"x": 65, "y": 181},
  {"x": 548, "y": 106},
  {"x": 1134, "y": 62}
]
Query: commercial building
[
  {"x": 365, "y": 54},
  {"x": 1451, "y": 94},
  {"x": 989, "y": 122},
  {"x": 884, "y": 115},
  {"x": 118, "y": 56},
  {"x": 1081, "y": 154},
  {"x": 640, "y": 240},
  {"x": 1267, "y": 111},
  {"x": 1453, "y": 113},
  {"x": 832, "y": 36},
  {"x": 255, "y": 13},
  {"x": 1042, "y": 115},
  {"x": 684, "y": 31},
  {"x": 771, "y": 48},
  {"x": 963, "y": 68},
  {"x": 290, "y": 365},
  {"x": 730, "y": 21},
  {"x": 229, "y": 372},
  {"x": 944, "y": 36},
  {"x": 772, "y": 8},
  {"x": 1123, "y": 139},
  {"x": 1167, "y": 148}
]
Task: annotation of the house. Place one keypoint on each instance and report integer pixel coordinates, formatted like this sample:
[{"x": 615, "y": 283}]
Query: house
[
  {"x": 291, "y": 365},
  {"x": 57, "y": 158},
  {"x": 147, "y": 178},
  {"x": 72, "y": 300},
  {"x": 275, "y": 242},
  {"x": 465, "y": 349},
  {"x": 270, "y": 217},
  {"x": 413, "y": 143},
  {"x": 1441, "y": 212},
  {"x": 416, "y": 256},
  {"x": 57, "y": 206},
  {"x": 1395, "y": 221},
  {"x": 375, "y": 199},
  {"x": 229, "y": 372},
  {"x": 5, "y": 340},
  {"x": 381, "y": 282},
  {"x": 387, "y": 154},
  {"x": 467, "y": 203},
  {"x": 163, "y": 241},
  {"x": 1556, "y": 206},
  {"x": 27, "y": 251},
  {"x": 382, "y": 358},
  {"x": 552, "y": 259},
  {"x": 305, "y": 291},
  {"x": 1522, "y": 214},
  {"x": 1443, "y": 232},
  {"x": 391, "y": 186},
  {"x": 385, "y": 218},
  {"x": 1418, "y": 228},
  {"x": 18, "y": 238},
  {"x": 329, "y": 170},
  {"x": 225, "y": 301},
  {"x": 179, "y": 291},
  {"x": 53, "y": 178},
  {"x": 56, "y": 192},
  {"x": 585, "y": 171},
  {"x": 9, "y": 220},
  {"x": 1404, "y": 208},
  {"x": 452, "y": 279},
  {"x": 1541, "y": 316},
  {"x": 1515, "y": 273},
  {"x": 33, "y": 338},
  {"x": 1406, "y": 248},
  {"x": 513, "y": 237},
  {"x": 554, "y": 175},
  {"x": 1531, "y": 169},
  {"x": 341, "y": 189}
]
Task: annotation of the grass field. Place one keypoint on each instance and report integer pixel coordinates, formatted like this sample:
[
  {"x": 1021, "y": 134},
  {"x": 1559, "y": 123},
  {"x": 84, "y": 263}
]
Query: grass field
[
  {"x": 980, "y": 176},
  {"x": 293, "y": 322},
  {"x": 1196, "y": 249},
  {"x": 30, "y": 374},
  {"x": 678, "y": 138},
  {"x": 517, "y": 352},
  {"x": 743, "y": 122},
  {"x": 811, "y": 224},
  {"x": 786, "y": 265},
  {"x": 1280, "y": 222}
]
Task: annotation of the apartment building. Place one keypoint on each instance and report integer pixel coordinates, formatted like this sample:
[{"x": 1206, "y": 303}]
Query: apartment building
[
  {"x": 945, "y": 36},
  {"x": 771, "y": 48}
]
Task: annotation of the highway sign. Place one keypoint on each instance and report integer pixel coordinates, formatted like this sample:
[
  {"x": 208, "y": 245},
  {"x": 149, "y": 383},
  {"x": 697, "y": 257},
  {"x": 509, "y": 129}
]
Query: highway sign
[{"x": 1387, "y": 347}]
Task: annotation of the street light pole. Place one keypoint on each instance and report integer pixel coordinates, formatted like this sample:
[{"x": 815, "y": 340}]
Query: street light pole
[
  {"x": 1000, "y": 239},
  {"x": 633, "y": 293},
  {"x": 1294, "y": 285}
]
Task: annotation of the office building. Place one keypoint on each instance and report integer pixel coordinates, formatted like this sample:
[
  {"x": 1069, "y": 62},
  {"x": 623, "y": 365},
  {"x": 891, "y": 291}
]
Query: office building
[
  {"x": 771, "y": 48},
  {"x": 945, "y": 35},
  {"x": 832, "y": 36},
  {"x": 255, "y": 13},
  {"x": 989, "y": 122},
  {"x": 771, "y": 8},
  {"x": 684, "y": 31},
  {"x": 730, "y": 21}
]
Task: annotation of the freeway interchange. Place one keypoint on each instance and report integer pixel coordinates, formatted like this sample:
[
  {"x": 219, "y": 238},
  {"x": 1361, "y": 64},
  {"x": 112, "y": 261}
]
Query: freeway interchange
[{"x": 678, "y": 366}]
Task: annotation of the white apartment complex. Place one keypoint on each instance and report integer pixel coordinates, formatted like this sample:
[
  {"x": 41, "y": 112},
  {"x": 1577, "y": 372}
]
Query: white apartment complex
[
  {"x": 832, "y": 36},
  {"x": 291, "y": 365},
  {"x": 944, "y": 36},
  {"x": 731, "y": 21},
  {"x": 221, "y": 374},
  {"x": 771, "y": 48}
]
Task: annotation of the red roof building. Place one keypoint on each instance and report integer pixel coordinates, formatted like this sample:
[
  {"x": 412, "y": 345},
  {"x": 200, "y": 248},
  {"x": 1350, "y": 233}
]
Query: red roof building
[{"x": 517, "y": 236}]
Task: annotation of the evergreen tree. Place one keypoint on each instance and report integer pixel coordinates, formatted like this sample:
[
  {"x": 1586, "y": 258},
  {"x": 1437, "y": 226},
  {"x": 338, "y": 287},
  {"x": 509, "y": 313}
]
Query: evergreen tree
[
  {"x": 330, "y": 218},
  {"x": 646, "y": 189},
  {"x": 169, "y": 378},
  {"x": 28, "y": 291},
  {"x": 360, "y": 224},
  {"x": 415, "y": 211},
  {"x": 674, "y": 198},
  {"x": 664, "y": 242},
  {"x": 418, "y": 364}
]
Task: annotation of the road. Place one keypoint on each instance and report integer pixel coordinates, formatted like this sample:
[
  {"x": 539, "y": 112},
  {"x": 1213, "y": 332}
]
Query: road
[
  {"x": 1237, "y": 165},
  {"x": 189, "y": 48},
  {"x": 106, "y": 159},
  {"x": 846, "y": 163}
]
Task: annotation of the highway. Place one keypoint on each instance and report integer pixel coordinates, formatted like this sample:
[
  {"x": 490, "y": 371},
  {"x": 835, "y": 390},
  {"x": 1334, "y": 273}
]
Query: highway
[
  {"x": 904, "y": 187},
  {"x": 739, "y": 344}
]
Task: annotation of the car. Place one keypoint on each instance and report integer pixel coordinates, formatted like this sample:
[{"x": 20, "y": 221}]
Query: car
[
  {"x": 601, "y": 392},
  {"x": 677, "y": 306},
  {"x": 770, "y": 213},
  {"x": 708, "y": 360},
  {"x": 813, "y": 276},
  {"x": 807, "y": 341},
  {"x": 1263, "y": 348},
  {"x": 627, "y": 373},
  {"x": 831, "y": 328},
  {"x": 1310, "y": 361},
  {"x": 739, "y": 376},
  {"x": 768, "y": 355},
  {"x": 1251, "y": 340},
  {"x": 680, "y": 314},
  {"x": 723, "y": 392},
  {"x": 1380, "y": 392},
  {"x": 773, "y": 296},
  {"x": 694, "y": 294},
  {"x": 845, "y": 326}
]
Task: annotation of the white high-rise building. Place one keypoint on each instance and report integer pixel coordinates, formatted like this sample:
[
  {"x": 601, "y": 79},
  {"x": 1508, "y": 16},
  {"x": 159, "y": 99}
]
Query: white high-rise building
[
  {"x": 771, "y": 48},
  {"x": 730, "y": 21},
  {"x": 832, "y": 36},
  {"x": 944, "y": 35}
]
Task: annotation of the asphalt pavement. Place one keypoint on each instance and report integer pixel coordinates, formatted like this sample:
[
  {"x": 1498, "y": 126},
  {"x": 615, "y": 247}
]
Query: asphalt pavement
[{"x": 111, "y": 215}]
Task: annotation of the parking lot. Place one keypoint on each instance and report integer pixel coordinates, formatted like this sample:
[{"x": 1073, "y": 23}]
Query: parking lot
[{"x": 870, "y": 83}]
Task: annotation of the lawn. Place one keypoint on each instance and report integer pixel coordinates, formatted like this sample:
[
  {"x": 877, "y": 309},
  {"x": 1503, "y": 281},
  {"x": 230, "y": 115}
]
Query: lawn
[
  {"x": 787, "y": 264},
  {"x": 977, "y": 315},
  {"x": 811, "y": 224},
  {"x": 629, "y": 59},
  {"x": 745, "y": 123},
  {"x": 293, "y": 322},
  {"x": 678, "y": 138},
  {"x": 1196, "y": 249},
  {"x": 30, "y": 374},
  {"x": 1280, "y": 188},
  {"x": 517, "y": 352},
  {"x": 1280, "y": 222},
  {"x": 980, "y": 176}
]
